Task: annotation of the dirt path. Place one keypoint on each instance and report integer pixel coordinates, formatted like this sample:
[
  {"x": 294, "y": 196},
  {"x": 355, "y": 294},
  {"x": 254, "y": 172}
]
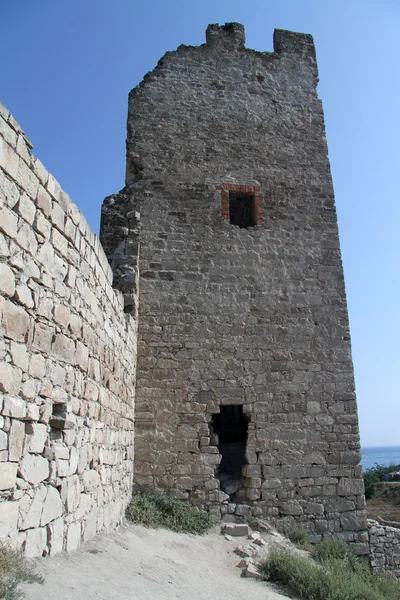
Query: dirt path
[{"x": 137, "y": 563}]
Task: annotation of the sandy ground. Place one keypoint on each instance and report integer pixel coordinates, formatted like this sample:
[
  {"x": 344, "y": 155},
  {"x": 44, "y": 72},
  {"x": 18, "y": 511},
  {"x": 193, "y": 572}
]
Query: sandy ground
[{"x": 151, "y": 565}]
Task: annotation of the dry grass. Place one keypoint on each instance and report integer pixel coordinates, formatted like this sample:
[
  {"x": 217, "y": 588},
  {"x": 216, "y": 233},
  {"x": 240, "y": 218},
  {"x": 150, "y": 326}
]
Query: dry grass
[
  {"x": 386, "y": 502},
  {"x": 15, "y": 569},
  {"x": 334, "y": 574},
  {"x": 159, "y": 510}
]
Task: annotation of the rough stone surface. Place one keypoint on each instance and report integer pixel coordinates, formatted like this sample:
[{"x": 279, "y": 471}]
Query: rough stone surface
[
  {"x": 253, "y": 316},
  {"x": 384, "y": 547},
  {"x": 67, "y": 367},
  {"x": 236, "y": 529},
  {"x": 33, "y": 468},
  {"x": 8, "y": 519}
]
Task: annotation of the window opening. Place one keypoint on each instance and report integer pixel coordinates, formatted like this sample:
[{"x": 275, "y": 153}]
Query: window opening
[
  {"x": 241, "y": 210},
  {"x": 229, "y": 430}
]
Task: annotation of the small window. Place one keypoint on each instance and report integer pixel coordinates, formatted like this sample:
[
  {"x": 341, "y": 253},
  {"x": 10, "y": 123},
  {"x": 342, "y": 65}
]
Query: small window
[{"x": 241, "y": 210}]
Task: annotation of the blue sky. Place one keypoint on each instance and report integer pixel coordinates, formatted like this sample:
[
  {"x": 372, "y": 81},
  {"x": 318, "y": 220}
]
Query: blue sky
[{"x": 67, "y": 68}]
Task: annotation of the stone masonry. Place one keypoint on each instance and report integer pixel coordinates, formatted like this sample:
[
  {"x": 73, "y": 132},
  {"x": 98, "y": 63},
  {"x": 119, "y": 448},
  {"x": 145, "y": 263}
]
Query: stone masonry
[
  {"x": 67, "y": 365},
  {"x": 243, "y": 398},
  {"x": 243, "y": 324}
]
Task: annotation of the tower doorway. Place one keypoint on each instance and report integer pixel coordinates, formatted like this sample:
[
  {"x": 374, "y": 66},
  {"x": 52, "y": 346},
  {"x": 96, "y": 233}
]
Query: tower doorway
[{"x": 230, "y": 427}]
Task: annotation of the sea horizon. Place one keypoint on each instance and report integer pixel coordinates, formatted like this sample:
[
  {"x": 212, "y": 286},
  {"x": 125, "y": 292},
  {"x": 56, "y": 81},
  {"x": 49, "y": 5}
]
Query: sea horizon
[{"x": 379, "y": 455}]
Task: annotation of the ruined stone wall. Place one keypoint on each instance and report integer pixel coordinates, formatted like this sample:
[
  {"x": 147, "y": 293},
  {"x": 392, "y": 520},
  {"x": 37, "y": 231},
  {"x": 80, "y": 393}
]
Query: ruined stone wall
[
  {"x": 254, "y": 317},
  {"x": 384, "y": 543},
  {"x": 67, "y": 364}
]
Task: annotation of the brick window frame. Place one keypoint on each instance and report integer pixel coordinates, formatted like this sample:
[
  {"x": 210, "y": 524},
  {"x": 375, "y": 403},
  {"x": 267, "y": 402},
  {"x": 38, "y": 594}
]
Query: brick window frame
[{"x": 251, "y": 190}]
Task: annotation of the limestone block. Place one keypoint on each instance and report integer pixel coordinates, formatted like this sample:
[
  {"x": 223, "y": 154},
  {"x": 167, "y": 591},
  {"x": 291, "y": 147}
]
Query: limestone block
[
  {"x": 313, "y": 407},
  {"x": 55, "y": 531},
  {"x": 16, "y": 440},
  {"x": 45, "y": 256},
  {"x": 10, "y": 378},
  {"x": 61, "y": 314},
  {"x": 24, "y": 295},
  {"x": 26, "y": 209},
  {"x": 83, "y": 459},
  {"x": 37, "y": 366},
  {"x": 61, "y": 452},
  {"x": 73, "y": 537},
  {"x": 236, "y": 529},
  {"x": 27, "y": 179},
  {"x": 31, "y": 509},
  {"x": 46, "y": 390},
  {"x": 9, "y": 160},
  {"x": 23, "y": 149},
  {"x": 3, "y": 440},
  {"x": 7, "y": 132},
  {"x": 85, "y": 504},
  {"x": 43, "y": 201},
  {"x": 60, "y": 243},
  {"x": 36, "y": 434},
  {"x": 19, "y": 355},
  {"x": 54, "y": 188},
  {"x": 314, "y": 508},
  {"x": 271, "y": 484},
  {"x": 43, "y": 337},
  {"x": 73, "y": 460},
  {"x": 8, "y": 519},
  {"x": 70, "y": 493},
  {"x": 52, "y": 507},
  {"x": 62, "y": 468},
  {"x": 26, "y": 238},
  {"x": 350, "y": 487},
  {"x": 64, "y": 348},
  {"x": 15, "y": 321},
  {"x": 7, "y": 280},
  {"x": 82, "y": 356},
  {"x": 4, "y": 250},
  {"x": 34, "y": 468},
  {"x": 46, "y": 410},
  {"x": 39, "y": 170},
  {"x": 291, "y": 508},
  {"x": 36, "y": 542},
  {"x": 91, "y": 480},
  {"x": 14, "y": 407},
  {"x": 353, "y": 521},
  {"x": 91, "y": 526},
  {"x": 28, "y": 392},
  {"x": 42, "y": 225},
  {"x": 8, "y": 475},
  {"x": 31, "y": 269}
]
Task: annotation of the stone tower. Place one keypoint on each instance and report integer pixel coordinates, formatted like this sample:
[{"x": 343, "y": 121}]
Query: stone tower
[{"x": 245, "y": 400}]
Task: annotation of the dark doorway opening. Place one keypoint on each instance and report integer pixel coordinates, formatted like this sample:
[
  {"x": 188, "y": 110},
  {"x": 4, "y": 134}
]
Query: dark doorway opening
[
  {"x": 241, "y": 210},
  {"x": 230, "y": 425}
]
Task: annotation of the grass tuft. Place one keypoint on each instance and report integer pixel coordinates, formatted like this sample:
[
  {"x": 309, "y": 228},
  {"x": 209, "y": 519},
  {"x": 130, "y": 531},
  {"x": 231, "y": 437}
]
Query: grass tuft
[
  {"x": 297, "y": 535},
  {"x": 15, "y": 569},
  {"x": 159, "y": 510},
  {"x": 334, "y": 574}
]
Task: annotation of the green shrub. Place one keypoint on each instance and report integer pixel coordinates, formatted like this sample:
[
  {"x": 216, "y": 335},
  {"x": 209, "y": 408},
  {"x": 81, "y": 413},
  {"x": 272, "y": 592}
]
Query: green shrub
[
  {"x": 374, "y": 475},
  {"x": 159, "y": 510},
  {"x": 329, "y": 548},
  {"x": 14, "y": 569},
  {"x": 297, "y": 535},
  {"x": 335, "y": 575},
  {"x": 371, "y": 481}
]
